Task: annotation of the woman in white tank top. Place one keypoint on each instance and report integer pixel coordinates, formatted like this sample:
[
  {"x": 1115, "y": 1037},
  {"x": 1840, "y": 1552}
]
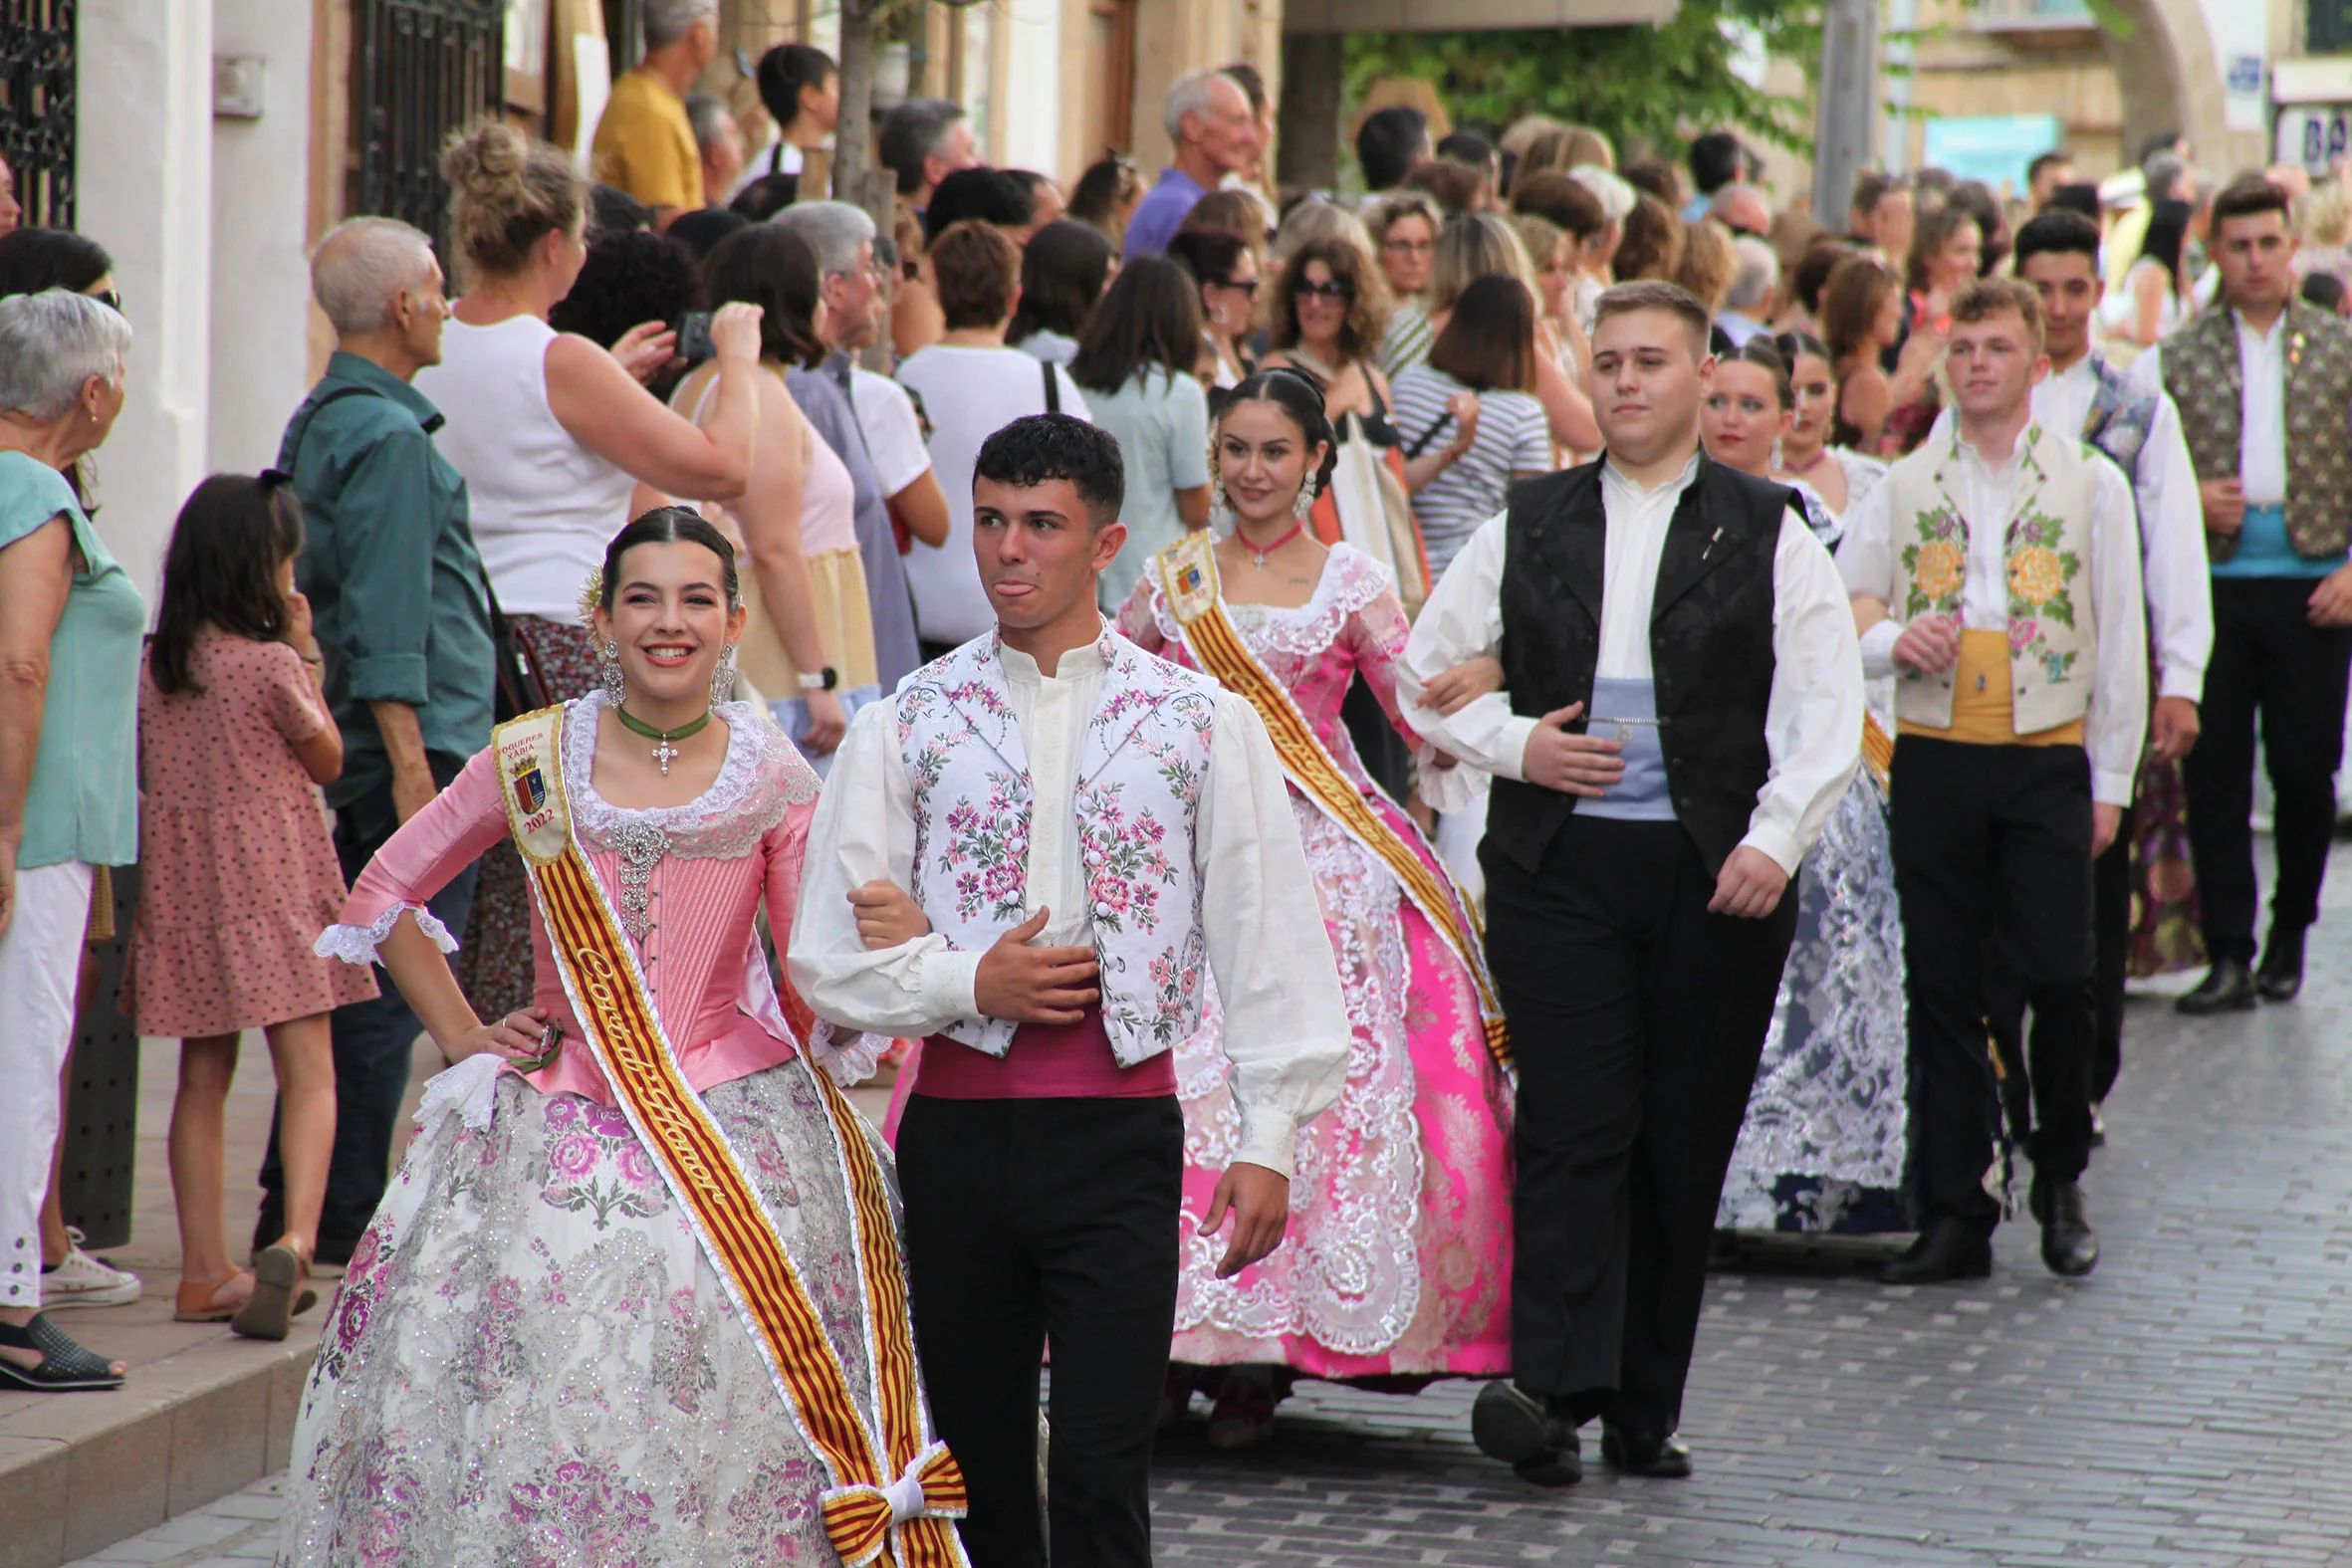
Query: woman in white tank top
[{"x": 559, "y": 446}]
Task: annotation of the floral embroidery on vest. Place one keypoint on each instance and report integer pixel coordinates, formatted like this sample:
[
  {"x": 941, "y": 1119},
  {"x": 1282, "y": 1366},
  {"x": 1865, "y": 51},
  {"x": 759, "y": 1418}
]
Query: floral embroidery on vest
[
  {"x": 2041, "y": 580},
  {"x": 1135, "y": 800},
  {"x": 2043, "y": 551}
]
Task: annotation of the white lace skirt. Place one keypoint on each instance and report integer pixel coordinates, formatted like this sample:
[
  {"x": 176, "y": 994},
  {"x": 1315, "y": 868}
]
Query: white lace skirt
[{"x": 532, "y": 1364}]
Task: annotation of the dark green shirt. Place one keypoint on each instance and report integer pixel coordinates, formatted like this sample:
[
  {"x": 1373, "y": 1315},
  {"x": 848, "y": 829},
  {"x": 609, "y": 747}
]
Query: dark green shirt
[{"x": 396, "y": 588}]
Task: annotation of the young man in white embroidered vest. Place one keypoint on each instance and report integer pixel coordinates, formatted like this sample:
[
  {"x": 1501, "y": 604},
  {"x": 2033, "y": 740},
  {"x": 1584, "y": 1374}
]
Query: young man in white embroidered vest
[
  {"x": 2138, "y": 429},
  {"x": 2265, "y": 386},
  {"x": 1682, "y": 708},
  {"x": 1995, "y": 573},
  {"x": 1090, "y": 836}
]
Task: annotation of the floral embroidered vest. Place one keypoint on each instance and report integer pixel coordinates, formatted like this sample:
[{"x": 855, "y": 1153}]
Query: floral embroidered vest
[
  {"x": 1140, "y": 773},
  {"x": 2053, "y": 625},
  {"x": 2119, "y": 420},
  {"x": 2203, "y": 374}
]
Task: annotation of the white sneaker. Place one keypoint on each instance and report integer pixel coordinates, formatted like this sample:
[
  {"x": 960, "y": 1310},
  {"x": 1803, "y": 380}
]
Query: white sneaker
[{"x": 84, "y": 1282}]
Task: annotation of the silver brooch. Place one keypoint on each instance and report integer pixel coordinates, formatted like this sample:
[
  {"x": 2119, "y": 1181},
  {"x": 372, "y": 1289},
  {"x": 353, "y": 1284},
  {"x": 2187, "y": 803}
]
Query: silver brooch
[{"x": 642, "y": 848}]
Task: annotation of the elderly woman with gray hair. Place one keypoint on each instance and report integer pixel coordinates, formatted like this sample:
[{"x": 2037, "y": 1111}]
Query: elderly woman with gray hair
[{"x": 70, "y": 629}]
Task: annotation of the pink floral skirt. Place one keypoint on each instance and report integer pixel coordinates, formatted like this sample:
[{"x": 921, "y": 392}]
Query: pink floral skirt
[{"x": 1397, "y": 1261}]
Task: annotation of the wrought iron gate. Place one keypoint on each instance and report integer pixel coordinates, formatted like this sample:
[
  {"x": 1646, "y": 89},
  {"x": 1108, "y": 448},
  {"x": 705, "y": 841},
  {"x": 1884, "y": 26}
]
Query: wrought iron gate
[
  {"x": 421, "y": 69},
  {"x": 37, "y": 105}
]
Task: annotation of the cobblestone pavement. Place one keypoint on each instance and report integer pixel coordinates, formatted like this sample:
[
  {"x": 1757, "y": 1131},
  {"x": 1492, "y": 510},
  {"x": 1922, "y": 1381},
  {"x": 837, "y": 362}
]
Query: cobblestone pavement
[{"x": 2189, "y": 1406}]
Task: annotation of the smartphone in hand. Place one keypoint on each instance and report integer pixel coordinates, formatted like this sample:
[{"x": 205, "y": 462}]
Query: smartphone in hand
[{"x": 694, "y": 336}]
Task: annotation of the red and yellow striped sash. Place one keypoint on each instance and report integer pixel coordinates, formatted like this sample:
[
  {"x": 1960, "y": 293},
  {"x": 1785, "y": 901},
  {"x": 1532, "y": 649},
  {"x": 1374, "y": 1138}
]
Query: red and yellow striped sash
[
  {"x": 894, "y": 1491},
  {"x": 1188, "y": 575}
]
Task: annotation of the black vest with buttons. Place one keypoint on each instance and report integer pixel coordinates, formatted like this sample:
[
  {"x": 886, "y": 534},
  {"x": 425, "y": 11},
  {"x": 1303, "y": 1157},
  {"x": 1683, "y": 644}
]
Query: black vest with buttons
[{"x": 1710, "y": 645}]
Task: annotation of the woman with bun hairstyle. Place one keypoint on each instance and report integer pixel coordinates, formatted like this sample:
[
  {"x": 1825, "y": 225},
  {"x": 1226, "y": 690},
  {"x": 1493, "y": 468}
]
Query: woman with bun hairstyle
[
  {"x": 1399, "y": 1257},
  {"x": 560, "y": 445}
]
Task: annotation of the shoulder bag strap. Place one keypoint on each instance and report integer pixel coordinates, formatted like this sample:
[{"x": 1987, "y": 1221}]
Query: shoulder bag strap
[{"x": 1053, "y": 388}]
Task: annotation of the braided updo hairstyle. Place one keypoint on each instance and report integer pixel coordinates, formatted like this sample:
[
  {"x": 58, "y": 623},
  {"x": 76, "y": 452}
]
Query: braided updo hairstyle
[{"x": 1300, "y": 398}]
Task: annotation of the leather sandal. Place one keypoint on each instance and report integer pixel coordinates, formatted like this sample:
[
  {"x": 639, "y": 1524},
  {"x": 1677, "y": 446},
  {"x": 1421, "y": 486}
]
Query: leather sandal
[
  {"x": 281, "y": 1293},
  {"x": 65, "y": 1367},
  {"x": 198, "y": 1301}
]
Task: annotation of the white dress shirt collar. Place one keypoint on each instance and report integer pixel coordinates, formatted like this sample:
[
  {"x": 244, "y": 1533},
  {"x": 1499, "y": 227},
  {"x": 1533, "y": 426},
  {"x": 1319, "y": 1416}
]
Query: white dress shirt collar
[
  {"x": 1613, "y": 478},
  {"x": 1075, "y": 664}
]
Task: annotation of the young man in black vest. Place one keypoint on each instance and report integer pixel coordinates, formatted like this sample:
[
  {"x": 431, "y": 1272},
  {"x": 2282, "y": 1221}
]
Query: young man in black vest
[{"x": 1681, "y": 707}]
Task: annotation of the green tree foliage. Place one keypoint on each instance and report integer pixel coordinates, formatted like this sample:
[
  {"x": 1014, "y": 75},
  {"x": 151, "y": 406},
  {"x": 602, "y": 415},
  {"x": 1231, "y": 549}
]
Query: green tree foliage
[{"x": 1637, "y": 84}]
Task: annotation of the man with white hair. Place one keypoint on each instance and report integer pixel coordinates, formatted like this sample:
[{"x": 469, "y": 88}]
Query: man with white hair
[
  {"x": 645, "y": 142},
  {"x": 718, "y": 144},
  {"x": 1209, "y": 122},
  {"x": 866, "y": 429},
  {"x": 401, "y": 608},
  {"x": 1756, "y": 273}
]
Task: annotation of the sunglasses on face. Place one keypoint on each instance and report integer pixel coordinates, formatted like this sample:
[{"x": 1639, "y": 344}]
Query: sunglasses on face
[
  {"x": 1247, "y": 286},
  {"x": 1331, "y": 288}
]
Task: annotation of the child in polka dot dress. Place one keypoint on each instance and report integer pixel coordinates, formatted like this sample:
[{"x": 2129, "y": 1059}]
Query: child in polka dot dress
[{"x": 238, "y": 878}]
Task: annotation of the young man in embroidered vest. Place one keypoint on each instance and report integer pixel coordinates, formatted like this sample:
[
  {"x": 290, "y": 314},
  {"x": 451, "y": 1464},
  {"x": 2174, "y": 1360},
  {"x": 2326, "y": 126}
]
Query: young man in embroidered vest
[
  {"x": 2265, "y": 386},
  {"x": 1996, "y": 575},
  {"x": 1682, "y": 708},
  {"x": 2139, "y": 430},
  {"x": 1089, "y": 834}
]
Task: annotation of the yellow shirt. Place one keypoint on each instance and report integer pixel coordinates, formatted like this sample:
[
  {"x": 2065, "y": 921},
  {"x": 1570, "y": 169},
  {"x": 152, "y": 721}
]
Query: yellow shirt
[{"x": 645, "y": 145}]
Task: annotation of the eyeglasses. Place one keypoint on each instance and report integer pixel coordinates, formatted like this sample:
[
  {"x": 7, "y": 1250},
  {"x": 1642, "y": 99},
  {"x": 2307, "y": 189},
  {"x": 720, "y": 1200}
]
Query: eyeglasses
[{"x": 1330, "y": 289}]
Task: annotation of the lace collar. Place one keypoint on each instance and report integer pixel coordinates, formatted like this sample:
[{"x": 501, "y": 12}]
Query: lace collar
[
  {"x": 1351, "y": 580},
  {"x": 760, "y": 782}
]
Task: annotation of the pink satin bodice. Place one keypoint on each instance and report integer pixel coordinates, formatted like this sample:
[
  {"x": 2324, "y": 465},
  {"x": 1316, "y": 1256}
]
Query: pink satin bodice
[
  {"x": 736, "y": 848},
  {"x": 1351, "y": 624}
]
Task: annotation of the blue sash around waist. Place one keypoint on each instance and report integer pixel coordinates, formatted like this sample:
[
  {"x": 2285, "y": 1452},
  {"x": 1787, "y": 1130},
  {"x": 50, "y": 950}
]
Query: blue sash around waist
[
  {"x": 1627, "y": 712},
  {"x": 2264, "y": 549}
]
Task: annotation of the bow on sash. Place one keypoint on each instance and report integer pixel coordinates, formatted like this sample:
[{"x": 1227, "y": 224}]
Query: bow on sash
[
  {"x": 858, "y": 1519},
  {"x": 896, "y": 1526}
]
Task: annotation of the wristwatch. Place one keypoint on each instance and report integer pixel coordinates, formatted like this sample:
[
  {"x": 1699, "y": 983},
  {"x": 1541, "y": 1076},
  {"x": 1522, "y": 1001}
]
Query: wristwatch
[{"x": 824, "y": 680}]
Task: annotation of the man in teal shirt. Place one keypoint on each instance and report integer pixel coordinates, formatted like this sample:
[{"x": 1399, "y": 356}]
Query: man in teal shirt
[{"x": 403, "y": 613}]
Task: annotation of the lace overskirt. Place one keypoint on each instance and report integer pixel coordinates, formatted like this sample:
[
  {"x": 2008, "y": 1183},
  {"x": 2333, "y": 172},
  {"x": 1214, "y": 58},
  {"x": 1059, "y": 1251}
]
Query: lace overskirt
[{"x": 532, "y": 1363}]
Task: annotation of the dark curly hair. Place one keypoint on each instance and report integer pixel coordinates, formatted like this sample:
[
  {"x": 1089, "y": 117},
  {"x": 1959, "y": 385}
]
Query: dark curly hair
[
  {"x": 1039, "y": 448},
  {"x": 632, "y": 275}
]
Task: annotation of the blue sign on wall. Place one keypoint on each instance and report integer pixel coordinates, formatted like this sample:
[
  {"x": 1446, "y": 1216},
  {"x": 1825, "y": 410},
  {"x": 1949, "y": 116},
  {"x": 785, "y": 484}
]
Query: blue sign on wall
[{"x": 1992, "y": 148}]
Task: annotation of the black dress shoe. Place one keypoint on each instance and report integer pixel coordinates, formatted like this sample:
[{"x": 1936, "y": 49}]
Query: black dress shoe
[
  {"x": 2068, "y": 1243},
  {"x": 2226, "y": 988},
  {"x": 1662, "y": 1455},
  {"x": 1947, "y": 1250},
  {"x": 1519, "y": 1429},
  {"x": 2282, "y": 974}
]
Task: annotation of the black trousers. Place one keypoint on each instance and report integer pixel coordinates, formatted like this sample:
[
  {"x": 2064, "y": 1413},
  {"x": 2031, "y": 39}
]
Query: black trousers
[
  {"x": 2111, "y": 939},
  {"x": 1637, "y": 1019},
  {"x": 2268, "y": 661},
  {"x": 372, "y": 1044},
  {"x": 1032, "y": 1223},
  {"x": 1993, "y": 839}
]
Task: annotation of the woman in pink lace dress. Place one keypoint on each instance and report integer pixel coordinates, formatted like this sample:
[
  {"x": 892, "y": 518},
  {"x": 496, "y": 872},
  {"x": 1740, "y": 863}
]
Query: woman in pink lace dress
[{"x": 1397, "y": 1265}]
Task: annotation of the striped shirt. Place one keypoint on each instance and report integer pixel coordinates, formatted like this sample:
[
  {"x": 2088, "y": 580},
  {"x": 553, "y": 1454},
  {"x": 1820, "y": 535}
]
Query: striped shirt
[
  {"x": 1512, "y": 437},
  {"x": 1406, "y": 342}
]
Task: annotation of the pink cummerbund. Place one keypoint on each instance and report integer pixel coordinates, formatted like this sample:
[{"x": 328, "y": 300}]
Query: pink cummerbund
[{"x": 1047, "y": 1061}]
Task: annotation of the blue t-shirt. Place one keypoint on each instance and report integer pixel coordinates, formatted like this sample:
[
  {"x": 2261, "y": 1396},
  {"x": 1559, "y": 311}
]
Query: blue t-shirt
[
  {"x": 1162, "y": 213},
  {"x": 84, "y": 801}
]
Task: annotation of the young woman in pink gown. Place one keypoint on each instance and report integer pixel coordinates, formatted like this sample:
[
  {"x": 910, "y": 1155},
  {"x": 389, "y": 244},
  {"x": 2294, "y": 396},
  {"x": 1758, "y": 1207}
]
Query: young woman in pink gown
[{"x": 1398, "y": 1261}]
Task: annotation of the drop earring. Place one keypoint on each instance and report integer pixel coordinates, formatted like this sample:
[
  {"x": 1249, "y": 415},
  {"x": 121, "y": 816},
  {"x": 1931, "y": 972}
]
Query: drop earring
[
  {"x": 1303, "y": 506},
  {"x": 1217, "y": 501},
  {"x": 723, "y": 678},
  {"x": 608, "y": 675}
]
